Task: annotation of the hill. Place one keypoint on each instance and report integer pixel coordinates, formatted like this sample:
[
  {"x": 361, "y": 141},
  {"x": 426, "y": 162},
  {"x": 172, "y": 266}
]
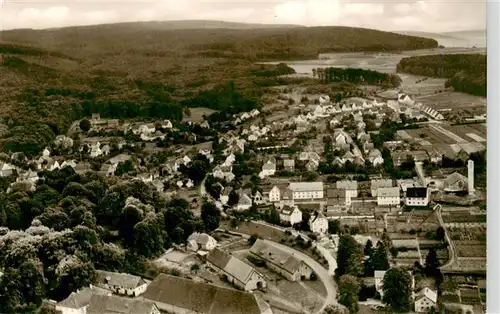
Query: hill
[
  {"x": 465, "y": 72},
  {"x": 470, "y": 38},
  {"x": 49, "y": 78}
]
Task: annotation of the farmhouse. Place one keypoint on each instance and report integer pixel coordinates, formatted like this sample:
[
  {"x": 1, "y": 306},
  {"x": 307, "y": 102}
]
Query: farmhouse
[
  {"x": 237, "y": 272},
  {"x": 104, "y": 304},
  {"x": 281, "y": 262},
  {"x": 77, "y": 302},
  {"x": 180, "y": 296},
  {"x": 290, "y": 215},
  {"x": 417, "y": 196},
  {"x": 455, "y": 182},
  {"x": 306, "y": 190},
  {"x": 388, "y": 196},
  {"x": 425, "y": 300},
  {"x": 121, "y": 283}
]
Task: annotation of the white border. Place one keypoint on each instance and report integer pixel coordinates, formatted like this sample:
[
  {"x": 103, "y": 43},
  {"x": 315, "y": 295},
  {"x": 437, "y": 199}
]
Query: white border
[{"x": 493, "y": 167}]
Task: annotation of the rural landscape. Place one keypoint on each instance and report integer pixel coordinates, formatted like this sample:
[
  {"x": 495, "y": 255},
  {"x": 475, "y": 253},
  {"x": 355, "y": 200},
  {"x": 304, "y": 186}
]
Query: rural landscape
[{"x": 225, "y": 168}]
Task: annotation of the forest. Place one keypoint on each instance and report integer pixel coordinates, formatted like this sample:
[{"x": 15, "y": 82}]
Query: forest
[
  {"x": 356, "y": 76},
  {"x": 465, "y": 72}
]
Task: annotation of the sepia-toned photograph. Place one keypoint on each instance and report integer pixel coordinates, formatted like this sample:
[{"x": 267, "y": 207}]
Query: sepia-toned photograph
[{"x": 243, "y": 157}]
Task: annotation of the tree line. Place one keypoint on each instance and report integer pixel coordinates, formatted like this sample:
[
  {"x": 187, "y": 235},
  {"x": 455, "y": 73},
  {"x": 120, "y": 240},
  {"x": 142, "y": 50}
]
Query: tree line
[
  {"x": 465, "y": 72},
  {"x": 356, "y": 76}
]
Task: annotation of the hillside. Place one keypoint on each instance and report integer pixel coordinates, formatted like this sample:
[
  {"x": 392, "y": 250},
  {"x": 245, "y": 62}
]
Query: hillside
[
  {"x": 465, "y": 72},
  {"x": 454, "y": 39},
  {"x": 49, "y": 78}
]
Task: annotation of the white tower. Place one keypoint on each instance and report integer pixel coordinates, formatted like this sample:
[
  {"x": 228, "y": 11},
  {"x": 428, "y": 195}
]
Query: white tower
[{"x": 470, "y": 168}]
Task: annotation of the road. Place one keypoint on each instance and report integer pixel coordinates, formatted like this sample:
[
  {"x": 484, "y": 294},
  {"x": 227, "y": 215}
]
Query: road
[
  {"x": 320, "y": 271},
  {"x": 448, "y": 239},
  {"x": 332, "y": 263}
]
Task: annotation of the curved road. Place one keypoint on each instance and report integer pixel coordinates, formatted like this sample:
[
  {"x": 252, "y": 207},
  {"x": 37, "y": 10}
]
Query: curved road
[{"x": 321, "y": 272}]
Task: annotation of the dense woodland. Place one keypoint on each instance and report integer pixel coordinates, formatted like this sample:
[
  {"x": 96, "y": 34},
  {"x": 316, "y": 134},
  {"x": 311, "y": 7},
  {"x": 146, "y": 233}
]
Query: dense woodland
[
  {"x": 465, "y": 72},
  {"x": 356, "y": 76}
]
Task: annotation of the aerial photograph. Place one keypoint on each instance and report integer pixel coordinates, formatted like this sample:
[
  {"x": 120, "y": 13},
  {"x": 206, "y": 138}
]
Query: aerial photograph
[{"x": 243, "y": 157}]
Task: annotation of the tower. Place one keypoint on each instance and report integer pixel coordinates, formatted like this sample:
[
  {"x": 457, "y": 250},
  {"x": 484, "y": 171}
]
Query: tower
[{"x": 470, "y": 177}]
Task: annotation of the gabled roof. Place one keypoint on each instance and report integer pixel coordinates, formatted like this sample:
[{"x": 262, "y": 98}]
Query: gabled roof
[
  {"x": 426, "y": 292},
  {"x": 77, "y": 300},
  {"x": 454, "y": 178},
  {"x": 306, "y": 186},
  {"x": 102, "y": 304},
  {"x": 316, "y": 216},
  {"x": 288, "y": 210},
  {"x": 231, "y": 265},
  {"x": 274, "y": 255},
  {"x": 416, "y": 192},
  {"x": 380, "y": 274},
  {"x": 202, "y": 298},
  {"x": 119, "y": 279},
  {"x": 388, "y": 192},
  {"x": 347, "y": 185}
]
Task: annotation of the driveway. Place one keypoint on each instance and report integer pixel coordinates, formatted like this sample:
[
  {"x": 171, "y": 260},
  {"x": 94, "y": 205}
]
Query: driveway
[
  {"x": 320, "y": 271},
  {"x": 332, "y": 263}
]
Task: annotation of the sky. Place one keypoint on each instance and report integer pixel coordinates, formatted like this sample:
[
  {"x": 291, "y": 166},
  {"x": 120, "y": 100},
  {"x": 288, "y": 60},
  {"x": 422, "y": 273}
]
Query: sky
[{"x": 388, "y": 15}]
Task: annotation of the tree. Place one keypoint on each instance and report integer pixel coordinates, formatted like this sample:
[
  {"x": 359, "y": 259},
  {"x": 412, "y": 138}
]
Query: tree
[
  {"x": 386, "y": 240},
  {"x": 147, "y": 238},
  {"x": 348, "y": 292},
  {"x": 380, "y": 260},
  {"x": 368, "y": 248},
  {"x": 233, "y": 199},
  {"x": 210, "y": 216},
  {"x": 273, "y": 217},
  {"x": 349, "y": 257},
  {"x": 397, "y": 291},
  {"x": 440, "y": 234},
  {"x": 334, "y": 226},
  {"x": 85, "y": 125},
  {"x": 431, "y": 263}
]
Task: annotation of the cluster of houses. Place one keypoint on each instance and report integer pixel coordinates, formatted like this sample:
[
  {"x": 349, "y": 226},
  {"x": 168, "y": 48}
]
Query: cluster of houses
[{"x": 242, "y": 117}]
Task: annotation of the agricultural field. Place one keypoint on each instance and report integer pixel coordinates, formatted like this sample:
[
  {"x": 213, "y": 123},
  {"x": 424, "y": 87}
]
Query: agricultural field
[
  {"x": 196, "y": 114},
  {"x": 463, "y": 217},
  {"x": 470, "y": 248},
  {"x": 464, "y": 233}
]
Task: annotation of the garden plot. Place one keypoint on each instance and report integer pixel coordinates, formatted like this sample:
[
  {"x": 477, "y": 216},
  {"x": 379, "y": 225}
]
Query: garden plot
[
  {"x": 452, "y": 100},
  {"x": 470, "y": 296},
  {"x": 464, "y": 250},
  {"x": 468, "y": 264},
  {"x": 467, "y": 132}
]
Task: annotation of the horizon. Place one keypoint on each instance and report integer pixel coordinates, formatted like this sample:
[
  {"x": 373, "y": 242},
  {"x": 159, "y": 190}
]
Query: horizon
[{"x": 391, "y": 15}]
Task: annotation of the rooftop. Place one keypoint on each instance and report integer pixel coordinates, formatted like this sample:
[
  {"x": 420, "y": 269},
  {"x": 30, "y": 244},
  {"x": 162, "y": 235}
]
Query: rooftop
[
  {"x": 416, "y": 192},
  {"x": 388, "y": 192},
  {"x": 231, "y": 265},
  {"x": 103, "y": 304},
  {"x": 306, "y": 186},
  {"x": 119, "y": 279},
  {"x": 274, "y": 255}
]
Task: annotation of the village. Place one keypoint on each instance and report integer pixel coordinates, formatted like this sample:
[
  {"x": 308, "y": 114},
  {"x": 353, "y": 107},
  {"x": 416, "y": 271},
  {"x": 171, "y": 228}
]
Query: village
[{"x": 289, "y": 180}]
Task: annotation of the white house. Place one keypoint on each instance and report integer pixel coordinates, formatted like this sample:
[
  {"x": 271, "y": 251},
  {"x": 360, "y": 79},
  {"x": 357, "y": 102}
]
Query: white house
[
  {"x": 6, "y": 169},
  {"x": 425, "y": 300},
  {"x": 167, "y": 124},
  {"x": 203, "y": 241},
  {"x": 388, "y": 196},
  {"x": 237, "y": 272},
  {"x": 306, "y": 190},
  {"x": 121, "y": 283},
  {"x": 95, "y": 150},
  {"x": 254, "y": 112},
  {"x": 275, "y": 194},
  {"x": 268, "y": 168},
  {"x": 78, "y": 302},
  {"x": 290, "y": 215},
  {"x": 244, "y": 202},
  {"x": 46, "y": 152},
  {"x": 417, "y": 196},
  {"x": 318, "y": 223}
]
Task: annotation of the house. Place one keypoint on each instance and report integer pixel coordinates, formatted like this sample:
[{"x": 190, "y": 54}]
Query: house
[
  {"x": 376, "y": 161},
  {"x": 379, "y": 281},
  {"x": 268, "y": 168},
  {"x": 418, "y": 196},
  {"x": 455, "y": 182},
  {"x": 7, "y": 170},
  {"x": 68, "y": 163},
  {"x": 334, "y": 122},
  {"x": 314, "y": 156},
  {"x": 350, "y": 187},
  {"x": 258, "y": 198},
  {"x": 78, "y": 302},
  {"x": 335, "y": 198},
  {"x": 289, "y": 165},
  {"x": 178, "y": 295},
  {"x": 236, "y": 271},
  {"x": 425, "y": 300},
  {"x": 306, "y": 190},
  {"x": 96, "y": 116},
  {"x": 375, "y": 184},
  {"x": 205, "y": 125},
  {"x": 348, "y": 156},
  {"x": 189, "y": 183},
  {"x": 338, "y": 162},
  {"x": 46, "y": 153},
  {"x": 29, "y": 175},
  {"x": 224, "y": 195},
  {"x": 111, "y": 304},
  {"x": 340, "y": 138},
  {"x": 167, "y": 124},
  {"x": 290, "y": 215},
  {"x": 388, "y": 196},
  {"x": 318, "y": 223},
  {"x": 254, "y": 113},
  {"x": 203, "y": 241},
  {"x": 275, "y": 194},
  {"x": 244, "y": 202},
  {"x": 281, "y": 262},
  {"x": 95, "y": 150},
  {"x": 82, "y": 168},
  {"x": 121, "y": 283},
  {"x": 312, "y": 165},
  {"x": 107, "y": 170}
]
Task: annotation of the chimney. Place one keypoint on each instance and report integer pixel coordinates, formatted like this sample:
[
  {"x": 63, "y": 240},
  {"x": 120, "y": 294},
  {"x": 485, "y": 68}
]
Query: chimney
[{"x": 470, "y": 168}]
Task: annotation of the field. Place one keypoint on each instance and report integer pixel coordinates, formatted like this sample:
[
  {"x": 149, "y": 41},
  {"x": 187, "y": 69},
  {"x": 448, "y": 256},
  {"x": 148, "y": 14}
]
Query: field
[
  {"x": 453, "y": 100},
  {"x": 196, "y": 114}
]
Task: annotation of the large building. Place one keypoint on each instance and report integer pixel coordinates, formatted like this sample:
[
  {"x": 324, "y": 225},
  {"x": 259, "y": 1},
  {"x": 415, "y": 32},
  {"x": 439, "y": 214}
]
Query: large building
[
  {"x": 285, "y": 264},
  {"x": 237, "y": 272},
  {"x": 290, "y": 215},
  {"x": 121, "y": 283},
  {"x": 181, "y": 296},
  {"x": 379, "y": 183},
  {"x": 103, "y": 304},
  {"x": 388, "y": 196},
  {"x": 78, "y": 302},
  {"x": 417, "y": 196},
  {"x": 306, "y": 190}
]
